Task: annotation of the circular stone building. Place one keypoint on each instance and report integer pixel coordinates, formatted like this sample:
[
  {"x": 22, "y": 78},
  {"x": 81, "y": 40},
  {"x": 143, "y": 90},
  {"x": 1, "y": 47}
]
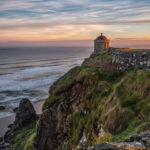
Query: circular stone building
[{"x": 100, "y": 43}]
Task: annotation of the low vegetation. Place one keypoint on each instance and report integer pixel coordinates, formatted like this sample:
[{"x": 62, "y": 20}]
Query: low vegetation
[
  {"x": 118, "y": 102},
  {"x": 23, "y": 138},
  {"x": 112, "y": 99}
]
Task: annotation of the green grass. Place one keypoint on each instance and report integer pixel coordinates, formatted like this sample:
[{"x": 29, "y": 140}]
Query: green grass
[
  {"x": 23, "y": 137},
  {"x": 121, "y": 98},
  {"x": 134, "y": 92},
  {"x": 127, "y": 132},
  {"x": 120, "y": 104}
]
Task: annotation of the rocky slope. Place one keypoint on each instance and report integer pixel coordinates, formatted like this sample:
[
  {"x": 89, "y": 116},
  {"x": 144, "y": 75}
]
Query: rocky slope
[{"x": 92, "y": 104}]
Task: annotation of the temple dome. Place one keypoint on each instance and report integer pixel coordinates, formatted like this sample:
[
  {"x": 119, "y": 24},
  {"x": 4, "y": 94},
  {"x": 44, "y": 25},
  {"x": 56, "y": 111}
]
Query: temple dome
[{"x": 101, "y": 37}]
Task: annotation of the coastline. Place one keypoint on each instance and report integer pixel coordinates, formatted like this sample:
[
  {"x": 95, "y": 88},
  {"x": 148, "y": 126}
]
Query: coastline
[{"x": 4, "y": 122}]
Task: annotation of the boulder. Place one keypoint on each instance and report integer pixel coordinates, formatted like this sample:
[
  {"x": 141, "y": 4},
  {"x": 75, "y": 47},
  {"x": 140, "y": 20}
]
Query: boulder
[
  {"x": 2, "y": 107},
  {"x": 10, "y": 125},
  {"x": 105, "y": 146},
  {"x": 143, "y": 137},
  {"x": 1, "y": 139},
  {"x": 3, "y": 145},
  {"x": 15, "y": 109},
  {"x": 83, "y": 140},
  {"x": 24, "y": 115}
]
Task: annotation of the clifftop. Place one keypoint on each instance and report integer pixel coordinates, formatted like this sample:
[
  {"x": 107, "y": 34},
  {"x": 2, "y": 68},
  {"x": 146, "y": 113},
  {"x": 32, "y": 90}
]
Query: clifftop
[{"x": 94, "y": 103}]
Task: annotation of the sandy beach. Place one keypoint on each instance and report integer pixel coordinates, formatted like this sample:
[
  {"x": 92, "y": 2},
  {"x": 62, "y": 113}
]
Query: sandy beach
[{"x": 4, "y": 122}]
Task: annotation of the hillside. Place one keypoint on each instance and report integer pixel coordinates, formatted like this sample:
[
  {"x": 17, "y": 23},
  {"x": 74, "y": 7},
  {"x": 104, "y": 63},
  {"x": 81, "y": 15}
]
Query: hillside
[{"x": 91, "y": 104}]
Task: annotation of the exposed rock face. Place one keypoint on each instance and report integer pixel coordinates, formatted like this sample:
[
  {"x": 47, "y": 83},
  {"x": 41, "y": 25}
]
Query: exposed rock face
[
  {"x": 4, "y": 146},
  {"x": 136, "y": 141},
  {"x": 24, "y": 115},
  {"x": 128, "y": 60},
  {"x": 143, "y": 137},
  {"x": 105, "y": 146},
  {"x": 54, "y": 128},
  {"x": 119, "y": 146},
  {"x": 15, "y": 109},
  {"x": 82, "y": 141}
]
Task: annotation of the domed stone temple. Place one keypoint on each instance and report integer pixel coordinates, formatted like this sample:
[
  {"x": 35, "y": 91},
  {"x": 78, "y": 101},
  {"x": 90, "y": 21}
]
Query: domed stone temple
[{"x": 100, "y": 43}]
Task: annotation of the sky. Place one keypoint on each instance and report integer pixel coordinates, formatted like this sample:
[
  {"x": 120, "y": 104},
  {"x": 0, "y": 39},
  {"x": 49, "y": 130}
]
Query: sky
[{"x": 74, "y": 22}]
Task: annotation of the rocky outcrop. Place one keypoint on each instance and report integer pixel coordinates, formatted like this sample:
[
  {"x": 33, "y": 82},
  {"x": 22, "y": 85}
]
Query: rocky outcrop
[
  {"x": 105, "y": 63},
  {"x": 135, "y": 141},
  {"x": 143, "y": 138},
  {"x": 4, "y": 145},
  {"x": 105, "y": 146},
  {"x": 119, "y": 146},
  {"x": 24, "y": 115},
  {"x": 54, "y": 127},
  {"x": 15, "y": 109},
  {"x": 129, "y": 60},
  {"x": 83, "y": 140},
  {"x": 2, "y": 107}
]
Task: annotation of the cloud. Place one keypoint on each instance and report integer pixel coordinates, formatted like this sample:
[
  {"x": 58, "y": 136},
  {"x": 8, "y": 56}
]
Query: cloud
[
  {"x": 23, "y": 23},
  {"x": 32, "y": 19},
  {"x": 83, "y": 10}
]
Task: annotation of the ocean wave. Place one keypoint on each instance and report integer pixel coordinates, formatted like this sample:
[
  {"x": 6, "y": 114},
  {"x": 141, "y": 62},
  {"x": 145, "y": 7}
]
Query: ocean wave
[
  {"x": 18, "y": 85},
  {"x": 5, "y": 114},
  {"x": 12, "y": 85},
  {"x": 31, "y": 72}
]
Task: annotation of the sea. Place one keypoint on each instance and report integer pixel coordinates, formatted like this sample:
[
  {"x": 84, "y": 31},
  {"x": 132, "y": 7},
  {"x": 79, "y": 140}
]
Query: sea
[{"x": 28, "y": 72}]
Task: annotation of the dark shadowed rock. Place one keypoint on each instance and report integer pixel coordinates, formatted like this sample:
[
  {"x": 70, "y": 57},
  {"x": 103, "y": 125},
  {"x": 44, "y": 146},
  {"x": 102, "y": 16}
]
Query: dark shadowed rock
[
  {"x": 24, "y": 115},
  {"x": 54, "y": 128},
  {"x": 119, "y": 146},
  {"x": 105, "y": 146},
  {"x": 143, "y": 137},
  {"x": 3, "y": 145},
  {"x": 1, "y": 139},
  {"x": 10, "y": 125},
  {"x": 15, "y": 109},
  {"x": 2, "y": 107}
]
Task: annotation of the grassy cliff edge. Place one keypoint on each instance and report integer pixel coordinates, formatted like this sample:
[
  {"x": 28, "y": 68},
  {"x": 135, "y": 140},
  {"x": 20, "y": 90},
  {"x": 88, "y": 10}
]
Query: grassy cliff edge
[{"x": 93, "y": 103}]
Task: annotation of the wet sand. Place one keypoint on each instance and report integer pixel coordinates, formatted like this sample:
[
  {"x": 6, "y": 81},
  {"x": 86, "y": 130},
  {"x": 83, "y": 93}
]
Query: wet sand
[
  {"x": 38, "y": 106},
  {"x": 4, "y": 122}
]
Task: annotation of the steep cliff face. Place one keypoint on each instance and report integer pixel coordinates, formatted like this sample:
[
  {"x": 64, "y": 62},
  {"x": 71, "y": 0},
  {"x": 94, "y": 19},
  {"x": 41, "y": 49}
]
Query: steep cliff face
[
  {"x": 94, "y": 103},
  {"x": 54, "y": 125}
]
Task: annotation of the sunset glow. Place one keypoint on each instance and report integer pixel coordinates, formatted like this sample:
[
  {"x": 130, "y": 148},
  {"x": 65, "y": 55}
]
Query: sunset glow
[{"x": 55, "y": 20}]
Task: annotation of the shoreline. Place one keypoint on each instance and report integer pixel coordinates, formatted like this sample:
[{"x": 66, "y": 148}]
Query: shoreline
[{"x": 4, "y": 122}]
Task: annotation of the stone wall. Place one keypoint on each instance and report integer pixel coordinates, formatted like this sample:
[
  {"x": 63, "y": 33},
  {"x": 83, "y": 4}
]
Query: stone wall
[{"x": 127, "y": 60}]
